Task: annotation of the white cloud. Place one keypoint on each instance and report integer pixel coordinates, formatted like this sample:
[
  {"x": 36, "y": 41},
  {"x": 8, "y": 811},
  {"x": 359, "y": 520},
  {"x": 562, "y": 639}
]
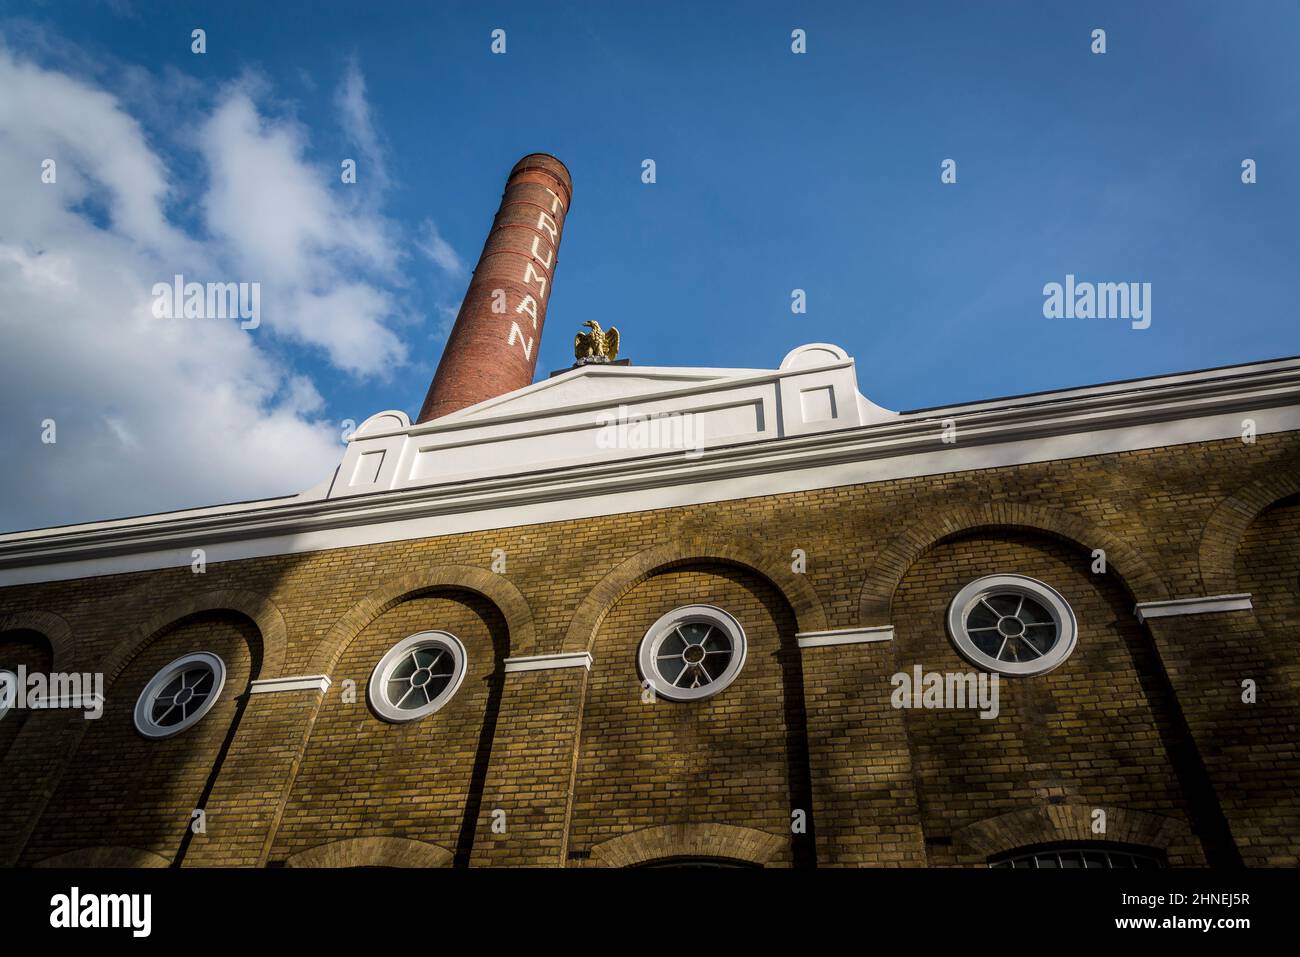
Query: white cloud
[
  {"x": 354, "y": 110},
  {"x": 154, "y": 414},
  {"x": 292, "y": 228},
  {"x": 96, "y": 146},
  {"x": 440, "y": 253}
]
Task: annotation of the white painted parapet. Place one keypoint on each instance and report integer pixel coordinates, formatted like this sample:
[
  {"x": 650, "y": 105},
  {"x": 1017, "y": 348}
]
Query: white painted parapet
[{"x": 601, "y": 413}]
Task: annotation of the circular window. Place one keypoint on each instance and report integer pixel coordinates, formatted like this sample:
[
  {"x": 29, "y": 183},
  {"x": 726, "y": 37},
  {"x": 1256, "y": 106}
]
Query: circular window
[
  {"x": 8, "y": 690},
  {"x": 417, "y": 676},
  {"x": 180, "y": 695},
  {"x": 692, "y": 653},
  {"x": 1012, "y": 624}
]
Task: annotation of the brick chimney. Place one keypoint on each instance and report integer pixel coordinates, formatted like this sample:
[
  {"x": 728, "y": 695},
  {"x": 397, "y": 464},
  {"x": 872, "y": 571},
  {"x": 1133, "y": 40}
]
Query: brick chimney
[{"x": 492, "y": 348}]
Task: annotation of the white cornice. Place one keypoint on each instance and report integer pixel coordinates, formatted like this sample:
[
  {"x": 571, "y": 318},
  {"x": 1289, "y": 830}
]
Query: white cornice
[
  {"x": 1209, "y": 605},
  {"x": 845, "y": 636},
  {"x": 1168, "y": 411},
  {"x": 576, "y": 659},
  {"x": 292, "y": 683}
]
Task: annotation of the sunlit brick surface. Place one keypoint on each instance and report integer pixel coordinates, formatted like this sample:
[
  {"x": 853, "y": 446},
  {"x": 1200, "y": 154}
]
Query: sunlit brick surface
[{"x": 1145, "y": 722}]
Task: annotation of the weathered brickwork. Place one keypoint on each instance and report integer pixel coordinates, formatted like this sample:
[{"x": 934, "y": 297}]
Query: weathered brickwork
[
  {"x": 21, "y": 649},
  {"x": 864, "y": 799},
  {"x": 1254, "y": 763},
  {"x": 141, "y": 793},
  {"x": 524, "y": 817},
  {"x": 402, "y": 780},
  {"x": 1145, "y": 722},
  {"x": 1094, "y": 732},
  {"x": 740, "y": 756}
]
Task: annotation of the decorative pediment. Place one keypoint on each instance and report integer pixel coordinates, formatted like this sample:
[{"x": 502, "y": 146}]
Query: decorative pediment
[
  {"x": 603, "y": 412},
  {"x": 590, "y": 384}
]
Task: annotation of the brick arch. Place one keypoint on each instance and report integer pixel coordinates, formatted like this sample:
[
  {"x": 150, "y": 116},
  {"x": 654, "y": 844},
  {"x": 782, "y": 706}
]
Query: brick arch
[
  {"x": 1059, "y": 823},
  {"x": 1228, "y": 523},
  {"x": 688, "y": 840},
  {"x": 875, "y": 600},
  {"x": 105, "y": 856},
  {"x": 373, "y": 852},
  {"x": 51, "y": 627},
  {"x": 257, "y": 608},
  {"x": 683, "y": 550},
  {"x": 495, "y": 588}
]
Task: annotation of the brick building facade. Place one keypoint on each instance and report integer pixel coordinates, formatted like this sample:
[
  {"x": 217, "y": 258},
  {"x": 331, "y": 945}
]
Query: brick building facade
[
  {"x": 550, "y": 754},
  {"x": 542, "y": 538}
]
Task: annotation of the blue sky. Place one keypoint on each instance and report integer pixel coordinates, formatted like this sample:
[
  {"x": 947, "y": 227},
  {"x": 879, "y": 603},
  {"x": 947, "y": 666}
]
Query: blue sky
[{"x": 775, "y": 171}]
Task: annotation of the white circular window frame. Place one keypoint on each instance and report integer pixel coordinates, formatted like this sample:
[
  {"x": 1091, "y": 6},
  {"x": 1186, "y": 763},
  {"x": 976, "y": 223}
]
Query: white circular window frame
[
  {"x": 1047, "y": 596},
  {"x": 144, "y": 704},
  {"x": 664, "y": 627},
  {"x": 379, "y": 702}
]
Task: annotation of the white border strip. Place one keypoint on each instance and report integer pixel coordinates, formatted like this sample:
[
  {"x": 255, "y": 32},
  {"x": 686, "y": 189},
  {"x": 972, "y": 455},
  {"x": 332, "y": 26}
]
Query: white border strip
[
  {"x": 570, "y": 659},
  {"x": 1191, "y": 606},
  {"x": 293, "y": 683},
  {"x": 845, "y": 636}
]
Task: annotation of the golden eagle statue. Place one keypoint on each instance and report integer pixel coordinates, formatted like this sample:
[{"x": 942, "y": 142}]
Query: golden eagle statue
[{"x": 597, "y": 345}]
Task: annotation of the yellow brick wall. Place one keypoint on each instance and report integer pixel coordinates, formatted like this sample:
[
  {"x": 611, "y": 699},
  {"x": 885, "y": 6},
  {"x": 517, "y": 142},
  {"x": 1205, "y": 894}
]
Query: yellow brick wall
[
  {"x": 121, "y": 788},
  {"x": 1096, "y": 731},
  {"x": 740, "y": 756},
  {"x": 1141, "y": 720},
  {"x": 409, "y": 779}
]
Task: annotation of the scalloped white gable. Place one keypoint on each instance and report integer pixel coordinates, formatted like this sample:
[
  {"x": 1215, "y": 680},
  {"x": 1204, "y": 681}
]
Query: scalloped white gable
[{"x": 600, "y": 413}]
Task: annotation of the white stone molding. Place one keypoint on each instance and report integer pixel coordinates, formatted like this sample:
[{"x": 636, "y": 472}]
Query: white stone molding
[
  {"x": 294, "y": 683},
  {"x": 1178, "y": 607},
  {"x": 570, "y": 659},
  {"x": 845, "y": 636}
]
